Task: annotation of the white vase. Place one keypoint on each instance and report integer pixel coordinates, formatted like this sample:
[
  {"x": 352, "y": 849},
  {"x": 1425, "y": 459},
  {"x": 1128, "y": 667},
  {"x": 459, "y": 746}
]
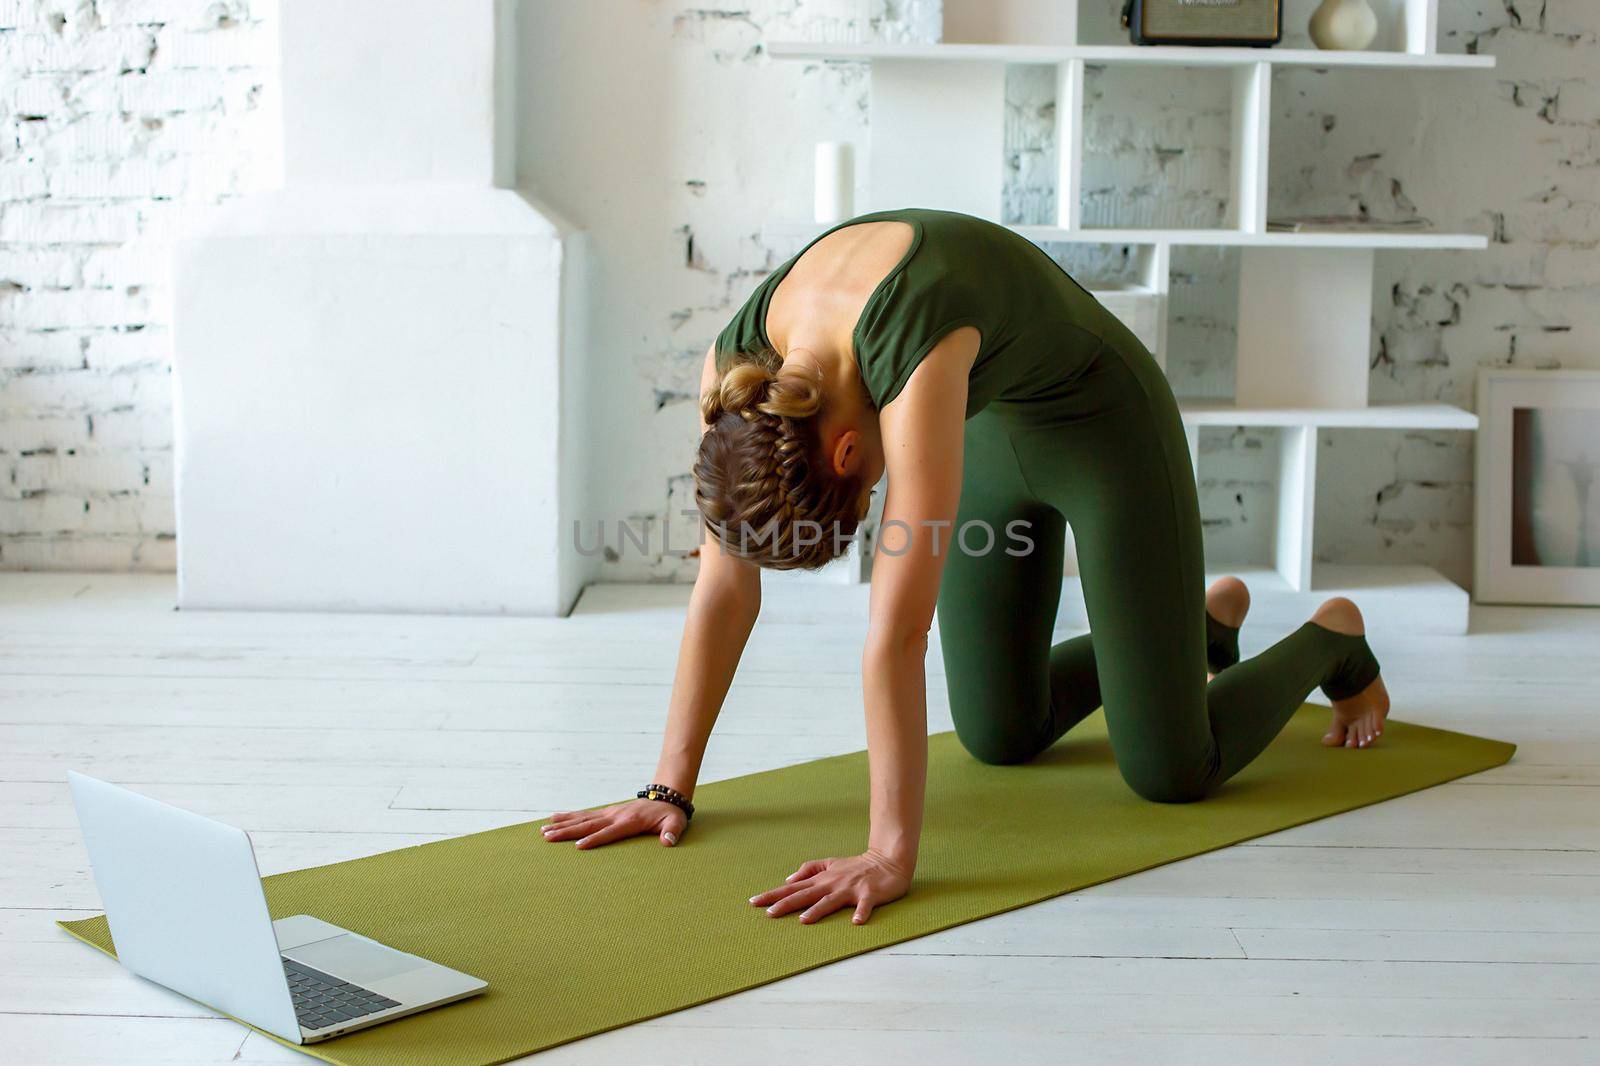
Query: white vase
[{"x": 1344, "y": 25}]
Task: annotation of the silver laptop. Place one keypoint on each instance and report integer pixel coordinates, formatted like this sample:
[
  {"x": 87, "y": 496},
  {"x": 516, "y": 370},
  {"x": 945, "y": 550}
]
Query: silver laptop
[{"x": 183, "y": 896}]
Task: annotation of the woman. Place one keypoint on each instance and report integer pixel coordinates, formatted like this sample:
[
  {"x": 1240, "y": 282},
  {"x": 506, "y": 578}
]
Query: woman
[{"x": 997, "y": 394}]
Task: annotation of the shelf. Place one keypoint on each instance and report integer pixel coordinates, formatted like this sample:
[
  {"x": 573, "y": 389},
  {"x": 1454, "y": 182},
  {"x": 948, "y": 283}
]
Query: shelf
[
  {"x": 1114, "y": 289},
  {"x": 1377, "y": 416},
  {"x": 1167, "y": 56},
  {"x": 1396, "y": 600},
  {"x": 1233, "y": 238},
  {"x": 802, "y": 231}
]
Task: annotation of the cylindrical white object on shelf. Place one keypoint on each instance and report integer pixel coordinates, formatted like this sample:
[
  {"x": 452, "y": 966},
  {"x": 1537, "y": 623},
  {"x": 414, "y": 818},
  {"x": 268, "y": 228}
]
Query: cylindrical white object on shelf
[{"x": 835, "y": 182}]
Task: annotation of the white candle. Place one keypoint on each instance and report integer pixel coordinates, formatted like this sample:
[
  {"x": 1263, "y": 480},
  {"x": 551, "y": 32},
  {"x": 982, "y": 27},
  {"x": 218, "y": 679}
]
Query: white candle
[{"x": 835, "y": 182}]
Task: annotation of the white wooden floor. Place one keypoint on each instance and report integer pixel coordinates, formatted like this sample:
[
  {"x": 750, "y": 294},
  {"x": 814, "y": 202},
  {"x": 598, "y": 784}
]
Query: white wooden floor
[{"x": 1458, "y": 925}]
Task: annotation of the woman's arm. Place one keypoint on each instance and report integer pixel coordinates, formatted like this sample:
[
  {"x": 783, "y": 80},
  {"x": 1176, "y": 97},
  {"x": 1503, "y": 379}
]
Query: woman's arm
[
  {"x": 922, "y": 440},
  {"x": 922, "y": 437},
  {"x": 722, "y": 612}
]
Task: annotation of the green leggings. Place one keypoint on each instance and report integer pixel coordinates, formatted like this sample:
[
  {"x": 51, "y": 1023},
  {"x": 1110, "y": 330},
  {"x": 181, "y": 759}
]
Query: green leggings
[{"x": 1108, "y": 455}]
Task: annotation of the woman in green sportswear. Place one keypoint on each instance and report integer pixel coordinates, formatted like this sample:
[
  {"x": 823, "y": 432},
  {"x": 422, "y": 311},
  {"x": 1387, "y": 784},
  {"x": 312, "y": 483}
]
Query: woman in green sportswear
[{"x": 1005, "y": 404}]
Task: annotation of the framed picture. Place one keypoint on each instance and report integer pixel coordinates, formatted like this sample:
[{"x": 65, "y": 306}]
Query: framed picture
[{"x": 1538, "y": 491}]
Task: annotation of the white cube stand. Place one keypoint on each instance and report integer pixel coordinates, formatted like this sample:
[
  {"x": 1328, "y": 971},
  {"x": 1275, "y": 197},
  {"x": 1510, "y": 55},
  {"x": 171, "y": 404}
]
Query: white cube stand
[
  {"x": 377, "y": 372},
  {"x": 371, "y": 417},
  {"x": 933, "y": 137}
]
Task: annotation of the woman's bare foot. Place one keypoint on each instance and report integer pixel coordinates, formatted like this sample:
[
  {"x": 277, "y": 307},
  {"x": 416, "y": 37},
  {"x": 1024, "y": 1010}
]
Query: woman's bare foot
[
  {"x": 1357, "y": 721},
  {"x": 1228, "y": 601}
]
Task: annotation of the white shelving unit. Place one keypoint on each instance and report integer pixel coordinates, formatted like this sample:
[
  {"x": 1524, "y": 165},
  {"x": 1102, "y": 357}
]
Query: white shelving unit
[
  {"x": 1305, "y": 298},
  {"x": 1359, "y": 239},
  {"x": 1166, "y": 56}
]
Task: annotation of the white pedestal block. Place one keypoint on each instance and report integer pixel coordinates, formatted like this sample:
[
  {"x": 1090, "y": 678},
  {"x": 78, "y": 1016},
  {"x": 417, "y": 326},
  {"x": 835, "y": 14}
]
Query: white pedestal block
[
  {"x": 1305, "y": 327},
  {"x": 377, "y": 400},
  {"x": 938, "y": 136}
]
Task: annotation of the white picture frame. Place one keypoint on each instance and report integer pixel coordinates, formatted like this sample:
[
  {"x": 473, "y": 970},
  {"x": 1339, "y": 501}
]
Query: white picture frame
[{"x": 1538, "y": 488}]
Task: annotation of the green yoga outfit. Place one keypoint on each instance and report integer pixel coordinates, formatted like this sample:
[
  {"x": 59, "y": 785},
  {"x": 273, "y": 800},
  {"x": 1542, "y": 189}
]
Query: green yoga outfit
[{"x": 1070, "y": 421}]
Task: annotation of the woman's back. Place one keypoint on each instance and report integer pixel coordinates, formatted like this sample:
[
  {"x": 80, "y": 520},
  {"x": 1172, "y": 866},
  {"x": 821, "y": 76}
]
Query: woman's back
[{"x": 1039, "y": 328}]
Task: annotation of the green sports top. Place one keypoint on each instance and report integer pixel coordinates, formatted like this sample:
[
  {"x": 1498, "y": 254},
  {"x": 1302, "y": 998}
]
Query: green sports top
[{"x": 1040, "y": 329}]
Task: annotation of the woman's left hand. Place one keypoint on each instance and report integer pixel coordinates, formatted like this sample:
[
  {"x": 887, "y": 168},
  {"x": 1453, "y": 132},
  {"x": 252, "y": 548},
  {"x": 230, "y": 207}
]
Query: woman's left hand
[{"x": 823, "y": 886}]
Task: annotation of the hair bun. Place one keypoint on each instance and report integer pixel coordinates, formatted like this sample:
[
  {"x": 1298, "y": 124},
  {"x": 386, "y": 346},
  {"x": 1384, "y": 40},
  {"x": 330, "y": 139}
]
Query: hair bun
[
  {"x": 762, "y": 383},
  {"x": 744, "y": 388}
]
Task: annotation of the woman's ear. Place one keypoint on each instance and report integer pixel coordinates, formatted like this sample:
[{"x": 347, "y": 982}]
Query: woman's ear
[{"x": 846, "y": 456}]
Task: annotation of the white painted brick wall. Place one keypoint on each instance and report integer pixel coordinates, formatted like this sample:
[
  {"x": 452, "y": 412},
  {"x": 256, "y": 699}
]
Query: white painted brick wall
[
  {"x": 109, "y": 144},
  {"x": 123, "y": 120}
]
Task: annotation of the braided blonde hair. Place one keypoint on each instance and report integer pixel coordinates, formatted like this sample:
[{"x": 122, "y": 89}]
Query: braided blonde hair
[{"x": 761, "y": 480}]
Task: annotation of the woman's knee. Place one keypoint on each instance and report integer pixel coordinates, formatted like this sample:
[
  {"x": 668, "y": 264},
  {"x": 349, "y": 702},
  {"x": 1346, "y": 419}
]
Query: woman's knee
[
  {"x": 997, "y": 747},
  {"x": 1165, "y": 784}
]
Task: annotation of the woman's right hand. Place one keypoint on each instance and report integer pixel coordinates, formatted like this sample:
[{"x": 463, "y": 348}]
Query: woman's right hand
[{"x": 637, "y": 817}]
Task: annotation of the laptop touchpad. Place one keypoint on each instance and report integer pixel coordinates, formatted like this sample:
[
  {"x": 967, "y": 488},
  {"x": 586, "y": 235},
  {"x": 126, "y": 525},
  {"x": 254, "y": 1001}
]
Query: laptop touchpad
[{"x": 352, "y": 959}]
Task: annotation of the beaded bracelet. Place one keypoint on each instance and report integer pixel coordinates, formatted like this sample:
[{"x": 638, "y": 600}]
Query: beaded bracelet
[{"x": 666, "y": 794}]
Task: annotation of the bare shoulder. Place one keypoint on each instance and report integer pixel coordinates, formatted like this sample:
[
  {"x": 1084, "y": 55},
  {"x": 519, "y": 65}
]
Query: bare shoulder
[
  {"x": 833, "y": 279},
  {"x": 860, "y": 253}
]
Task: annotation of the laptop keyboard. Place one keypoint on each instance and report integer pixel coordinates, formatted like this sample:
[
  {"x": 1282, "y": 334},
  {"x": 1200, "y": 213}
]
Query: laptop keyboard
[{"x": 321, "y": 1002}]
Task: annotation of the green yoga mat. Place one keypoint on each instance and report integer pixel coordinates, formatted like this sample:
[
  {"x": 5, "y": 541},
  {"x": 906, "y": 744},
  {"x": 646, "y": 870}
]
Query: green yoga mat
[{"x": 574, "y": 943}]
